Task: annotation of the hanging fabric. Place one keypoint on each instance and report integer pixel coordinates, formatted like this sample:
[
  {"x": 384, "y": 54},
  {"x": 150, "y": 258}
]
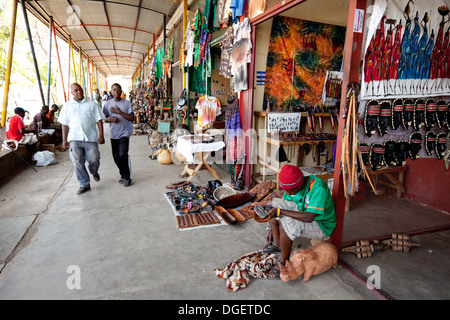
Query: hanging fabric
[
  {"x": 225, "y": 55},
  {"x": 208, "y": 109},
  {"x": 235, "y": 142}
]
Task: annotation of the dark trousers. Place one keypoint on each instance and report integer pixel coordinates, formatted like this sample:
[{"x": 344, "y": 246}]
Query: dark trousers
[{"x": 120, "y": 154}]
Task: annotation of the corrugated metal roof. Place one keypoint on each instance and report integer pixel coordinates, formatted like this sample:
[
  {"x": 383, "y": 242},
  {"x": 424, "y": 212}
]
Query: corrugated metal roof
[{"x": 115, "y": 34}]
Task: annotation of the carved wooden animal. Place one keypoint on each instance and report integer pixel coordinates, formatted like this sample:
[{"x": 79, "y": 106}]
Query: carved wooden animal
[{"x": 311, "y": 261}]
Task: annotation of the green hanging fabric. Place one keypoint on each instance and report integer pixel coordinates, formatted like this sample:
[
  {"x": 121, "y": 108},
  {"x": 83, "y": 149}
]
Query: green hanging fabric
[
  {"x": 197, "y": 80},
  {"x": 169, "y": 50},
  {"x": 159, "y": 66}
]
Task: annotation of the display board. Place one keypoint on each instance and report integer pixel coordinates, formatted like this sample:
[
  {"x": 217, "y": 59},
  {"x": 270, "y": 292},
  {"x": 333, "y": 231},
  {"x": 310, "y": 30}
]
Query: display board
[{"x": 283, "y": 122}]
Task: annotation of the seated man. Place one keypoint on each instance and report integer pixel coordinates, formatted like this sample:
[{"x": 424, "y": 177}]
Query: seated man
[
  {"x": 51, "y": 114},
  {"x": 304, "y": 208},
  {"x": 40, "y": 120},
  {"x": 17, "y": 130}
]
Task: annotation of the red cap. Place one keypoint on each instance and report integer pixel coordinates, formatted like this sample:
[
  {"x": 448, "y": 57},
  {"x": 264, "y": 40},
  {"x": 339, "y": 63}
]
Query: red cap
[{"x": 291, "y": 177}]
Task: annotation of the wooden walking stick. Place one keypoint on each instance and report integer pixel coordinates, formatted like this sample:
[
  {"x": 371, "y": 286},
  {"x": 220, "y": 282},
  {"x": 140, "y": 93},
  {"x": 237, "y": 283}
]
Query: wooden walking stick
[
  {"x": 354, "y": 144},
  {"x": 347, "y": 142}
]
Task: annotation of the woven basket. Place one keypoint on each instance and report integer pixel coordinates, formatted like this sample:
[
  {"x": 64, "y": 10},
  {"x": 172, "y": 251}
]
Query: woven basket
[{"x": 222, "y": 192}]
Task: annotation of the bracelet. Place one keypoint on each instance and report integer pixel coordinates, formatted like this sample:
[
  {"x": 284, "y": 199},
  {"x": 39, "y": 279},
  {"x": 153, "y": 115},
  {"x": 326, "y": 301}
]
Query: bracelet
[
  {"x": 268, "y": 228},
  {"x": 278, "y": 212}
]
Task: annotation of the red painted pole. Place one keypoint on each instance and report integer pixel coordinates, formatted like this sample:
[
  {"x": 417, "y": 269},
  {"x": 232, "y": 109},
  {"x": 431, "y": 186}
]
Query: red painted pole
[
  {"x": 352, "y": 58},
  {"x": 59, "y": 63}
]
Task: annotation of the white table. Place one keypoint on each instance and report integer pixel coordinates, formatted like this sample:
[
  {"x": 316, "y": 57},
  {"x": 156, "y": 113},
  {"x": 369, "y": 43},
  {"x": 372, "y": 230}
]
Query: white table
[{"x": 188, "y": 149}]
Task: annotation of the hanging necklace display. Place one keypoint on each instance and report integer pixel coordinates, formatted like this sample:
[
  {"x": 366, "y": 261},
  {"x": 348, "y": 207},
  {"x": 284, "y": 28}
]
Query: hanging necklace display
[
  {"x": 408, "y": 113},
  {"x": 441, "y": 145},
  {"x": 390, "y": 152},
  {"x": 430, "y": 142},
  {"x": 430, "y": 113},
  {"x": 376, "y": 157},
  {"x": 415, "y": 144},
  {"x": 371, "y": 117},
  {"x": 402, "y": 152},
  {"x": 442, "y": 109},
  {"x": 419, "y": 114},
  {"x": 385, "y": 117},
  {"x": 397, "y": 113}
]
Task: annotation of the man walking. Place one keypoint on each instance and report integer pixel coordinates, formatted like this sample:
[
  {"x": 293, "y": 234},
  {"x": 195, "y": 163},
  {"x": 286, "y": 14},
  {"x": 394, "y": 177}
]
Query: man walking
[
  {"x": 82, "y": 131},
  {"x": 120, "y": 115}
]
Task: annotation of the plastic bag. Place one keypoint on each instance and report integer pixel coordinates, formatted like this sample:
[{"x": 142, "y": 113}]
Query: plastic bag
[{"x": 44, "y": 158}]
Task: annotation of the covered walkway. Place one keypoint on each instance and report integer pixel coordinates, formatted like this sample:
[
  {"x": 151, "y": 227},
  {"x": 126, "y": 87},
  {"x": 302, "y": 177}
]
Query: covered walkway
[{"x": 127, "y": 245}]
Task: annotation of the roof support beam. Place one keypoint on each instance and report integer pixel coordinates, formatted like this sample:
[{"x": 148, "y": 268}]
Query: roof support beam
[
  {"x": 126, "y": 4},
  {"x": 104, "y": 25},
  {"x": 110, "y": 31},
  {"x": 135, "y": 24},
  {"x": 84, "y": 28}
]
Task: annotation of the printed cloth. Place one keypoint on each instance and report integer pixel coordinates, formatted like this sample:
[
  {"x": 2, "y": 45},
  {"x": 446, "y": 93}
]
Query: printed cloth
[
  {"x": 235, "y": 143},
  {"x": 241, "y": 271},
  {"x": 226, "y": 46},
  {"x": 300, "y": 53},
  {"x": 208, "y": 109}
]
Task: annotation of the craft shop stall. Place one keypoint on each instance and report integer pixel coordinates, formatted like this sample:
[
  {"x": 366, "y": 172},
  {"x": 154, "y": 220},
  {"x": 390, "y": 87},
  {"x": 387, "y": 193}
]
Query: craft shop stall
[
  {"x": 404, "y": 96},
  {"x": 297, "y": 91},
  {"x": 324, "y": 99}
]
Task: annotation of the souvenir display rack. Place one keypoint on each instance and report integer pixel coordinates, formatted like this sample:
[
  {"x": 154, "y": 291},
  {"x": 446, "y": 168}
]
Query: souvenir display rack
[{"x": 258, "y": 178}]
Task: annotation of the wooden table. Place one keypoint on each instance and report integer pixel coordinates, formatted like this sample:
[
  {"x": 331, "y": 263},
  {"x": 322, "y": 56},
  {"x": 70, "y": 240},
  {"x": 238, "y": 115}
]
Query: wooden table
[
  {"x": 193, "y": 172},
  {"x": 396, "y": 184}
]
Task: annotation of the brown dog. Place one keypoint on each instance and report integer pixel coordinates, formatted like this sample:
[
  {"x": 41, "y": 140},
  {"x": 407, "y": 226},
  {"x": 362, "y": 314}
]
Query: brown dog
[{"x": 311, "y": 261}]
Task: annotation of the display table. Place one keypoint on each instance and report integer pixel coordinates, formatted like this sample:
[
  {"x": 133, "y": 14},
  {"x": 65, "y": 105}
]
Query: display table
[{"x": 188, "y": 149}]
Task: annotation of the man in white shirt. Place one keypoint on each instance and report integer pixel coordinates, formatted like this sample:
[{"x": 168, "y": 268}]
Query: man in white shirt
[{"x": 82, "y": 131}]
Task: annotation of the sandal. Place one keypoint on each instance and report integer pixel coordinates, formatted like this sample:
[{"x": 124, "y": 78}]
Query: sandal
[
  {"x": 274, "y": 273},
  {"x": 270, "y": 248},
  {"x": 190, "y": 208},
  {"x": 205, "y": 205}
]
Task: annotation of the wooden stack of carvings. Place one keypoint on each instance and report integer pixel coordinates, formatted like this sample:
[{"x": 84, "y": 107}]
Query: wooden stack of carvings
[
  {"x": 263, "y": 193},
  {"x": 365, "y": 248},
  {"x": 228, "y": 208},
  {"x": 191, "y": 220}
]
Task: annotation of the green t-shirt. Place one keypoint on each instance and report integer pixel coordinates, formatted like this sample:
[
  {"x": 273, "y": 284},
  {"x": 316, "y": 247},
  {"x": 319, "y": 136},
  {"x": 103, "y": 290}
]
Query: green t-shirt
[{"x": 316, "y": 198}]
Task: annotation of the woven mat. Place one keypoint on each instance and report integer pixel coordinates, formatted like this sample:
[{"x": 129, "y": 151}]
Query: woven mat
[{"x": 203, "y": 219}]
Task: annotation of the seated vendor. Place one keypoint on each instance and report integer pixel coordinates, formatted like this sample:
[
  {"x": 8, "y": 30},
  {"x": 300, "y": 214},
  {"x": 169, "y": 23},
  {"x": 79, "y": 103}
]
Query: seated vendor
[
  {"x": 40, "y": 120},
  {"x": 51, "y": 114},
  {"x": 17, "y": 130},
  {"x": 303, "y": 208}
]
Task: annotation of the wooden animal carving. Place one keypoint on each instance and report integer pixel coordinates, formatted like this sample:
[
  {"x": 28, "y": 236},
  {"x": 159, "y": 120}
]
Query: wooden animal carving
[{"x": 310, "y": 262}]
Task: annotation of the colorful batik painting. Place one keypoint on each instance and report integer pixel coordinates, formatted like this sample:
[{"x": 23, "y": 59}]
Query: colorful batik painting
[
  {"x": 300, "y": 53},
  {"x": 407, "y": 53}
]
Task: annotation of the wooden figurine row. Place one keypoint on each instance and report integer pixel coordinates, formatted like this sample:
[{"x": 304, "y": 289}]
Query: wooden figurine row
[{"x": 365, "y": 249}]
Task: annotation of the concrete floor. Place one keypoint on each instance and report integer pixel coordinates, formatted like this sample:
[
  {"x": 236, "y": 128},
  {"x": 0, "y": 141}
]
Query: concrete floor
[{"x": 125, "y": 242}]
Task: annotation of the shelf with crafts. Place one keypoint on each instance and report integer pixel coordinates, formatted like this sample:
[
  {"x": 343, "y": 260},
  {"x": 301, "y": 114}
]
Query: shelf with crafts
[{"x": 295, "y": 141}]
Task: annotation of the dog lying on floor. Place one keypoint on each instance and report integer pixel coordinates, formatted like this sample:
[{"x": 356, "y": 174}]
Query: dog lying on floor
[{"x": 314, "y": 260}]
